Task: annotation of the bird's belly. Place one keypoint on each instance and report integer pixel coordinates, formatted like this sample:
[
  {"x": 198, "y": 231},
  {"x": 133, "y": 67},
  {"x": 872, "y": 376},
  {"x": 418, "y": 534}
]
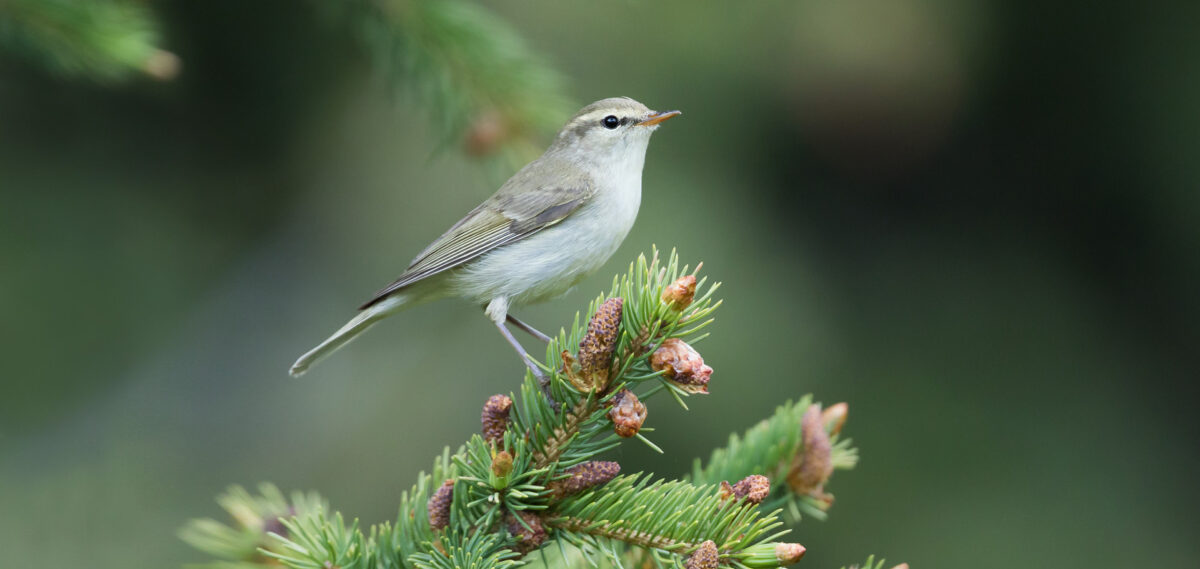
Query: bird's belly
[{"x": 549, "y": 262}]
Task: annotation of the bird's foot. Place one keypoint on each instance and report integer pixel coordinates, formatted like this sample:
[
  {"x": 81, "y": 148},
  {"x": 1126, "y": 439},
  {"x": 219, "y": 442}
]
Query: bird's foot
[
  {"x": 537, "y": 371},
  {"x": 542, "y": 379}
]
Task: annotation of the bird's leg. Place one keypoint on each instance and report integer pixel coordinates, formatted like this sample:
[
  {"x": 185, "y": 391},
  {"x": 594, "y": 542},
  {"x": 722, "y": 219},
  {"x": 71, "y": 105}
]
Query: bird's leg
[
  {"x": 528, "y": 329},
  {"x": 497, "y": 311},
  {"x": 537, "y": 372}
]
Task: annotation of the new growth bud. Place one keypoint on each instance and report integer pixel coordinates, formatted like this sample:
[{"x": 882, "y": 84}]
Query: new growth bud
[
  {"x": 583, "y": 476},
  {"x": 765, "y": 555},
  {"x": 596, "y": 348},
  {"x": 439, "y": 505},
  {"x": 529, "y": 535},
  {"x": 502, "y": 464},
  {"x": 627, "y": 413},
  {"x": 789, "y": 553},
  {"x": 705, "y": 557},
  {"x": 678, "y": 295},
  {"x": 495, "y": 417},
  {"x": 682, "y": 364}
]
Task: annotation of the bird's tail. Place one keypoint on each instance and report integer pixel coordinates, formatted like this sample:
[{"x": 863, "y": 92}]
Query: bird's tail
[{"x": 357, "y": 325}]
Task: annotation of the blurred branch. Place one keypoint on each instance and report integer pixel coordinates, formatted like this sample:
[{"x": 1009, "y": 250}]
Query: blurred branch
[
  {"x": 481, "y": 84},
  {"x": 103, "y": 40}
]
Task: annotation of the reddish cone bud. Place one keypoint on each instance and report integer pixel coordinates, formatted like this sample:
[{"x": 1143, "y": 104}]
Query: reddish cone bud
[
  {"x": 495, "y": 417},
  {"x": 583, "y": 476},
  {"x": 705, "y": 557},
  {"x": 596, "y": 348},
  {"x": 683, "y": 365},
  {"x": 439, "y": 505},
  {"x": 678, "y": 295},
  {"x": 528, "y": 538},
  {"x": 627, "y": 413},
  {"x": 754, "y": 489},
  {"x": 813, "y": 466},
  {"x": 834, "y": 416}
]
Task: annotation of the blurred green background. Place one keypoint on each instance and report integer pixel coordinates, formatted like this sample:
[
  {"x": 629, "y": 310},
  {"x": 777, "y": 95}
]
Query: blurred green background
[{"x": 975, "y": 221}]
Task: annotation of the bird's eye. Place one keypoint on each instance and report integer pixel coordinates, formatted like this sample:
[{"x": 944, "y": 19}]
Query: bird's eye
[{"x": 610, "y": 122}]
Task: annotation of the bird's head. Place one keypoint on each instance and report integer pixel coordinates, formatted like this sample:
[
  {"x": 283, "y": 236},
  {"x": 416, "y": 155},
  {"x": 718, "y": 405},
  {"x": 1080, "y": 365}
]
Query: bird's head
[{"x": 610, "y": 127}]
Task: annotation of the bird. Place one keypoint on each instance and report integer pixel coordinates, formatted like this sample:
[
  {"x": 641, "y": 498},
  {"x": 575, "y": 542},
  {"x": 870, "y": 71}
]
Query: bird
[{"x": 554, "y": 222}]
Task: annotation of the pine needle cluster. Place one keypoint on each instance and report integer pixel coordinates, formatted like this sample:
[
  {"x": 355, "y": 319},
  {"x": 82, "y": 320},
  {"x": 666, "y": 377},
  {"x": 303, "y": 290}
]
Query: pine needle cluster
[{"x": 533, "y": 484}]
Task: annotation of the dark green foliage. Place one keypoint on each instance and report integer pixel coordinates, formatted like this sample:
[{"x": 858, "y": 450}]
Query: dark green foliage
[{"x": 485, "y": 495}]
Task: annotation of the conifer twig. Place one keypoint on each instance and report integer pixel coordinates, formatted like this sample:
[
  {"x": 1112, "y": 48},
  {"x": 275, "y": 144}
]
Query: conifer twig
[{"x": 533, "y": 477}]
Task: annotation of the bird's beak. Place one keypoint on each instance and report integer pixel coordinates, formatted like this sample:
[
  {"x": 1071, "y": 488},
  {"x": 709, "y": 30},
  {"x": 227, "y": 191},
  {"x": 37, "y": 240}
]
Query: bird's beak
[{"x": 656, "y": 118}]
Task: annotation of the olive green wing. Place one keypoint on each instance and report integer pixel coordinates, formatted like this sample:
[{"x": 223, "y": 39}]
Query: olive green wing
[{"x": 506, "y": 217}]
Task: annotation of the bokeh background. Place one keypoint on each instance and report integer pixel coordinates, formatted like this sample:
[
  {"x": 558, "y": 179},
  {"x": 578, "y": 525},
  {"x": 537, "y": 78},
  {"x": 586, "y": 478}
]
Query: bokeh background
[{"x": 975, "y": 221}]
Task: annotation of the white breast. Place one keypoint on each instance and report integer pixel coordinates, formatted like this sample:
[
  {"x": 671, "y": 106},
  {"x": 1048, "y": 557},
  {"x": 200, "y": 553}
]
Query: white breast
[{"x": 550, "y": 262}]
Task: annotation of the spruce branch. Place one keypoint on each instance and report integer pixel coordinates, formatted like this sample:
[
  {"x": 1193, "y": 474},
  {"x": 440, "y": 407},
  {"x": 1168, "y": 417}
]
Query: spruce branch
[
  {"x": 672, "y": 516},
  {"x": 533, "y": 476},
  {"x": 637, "y": 315}
]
